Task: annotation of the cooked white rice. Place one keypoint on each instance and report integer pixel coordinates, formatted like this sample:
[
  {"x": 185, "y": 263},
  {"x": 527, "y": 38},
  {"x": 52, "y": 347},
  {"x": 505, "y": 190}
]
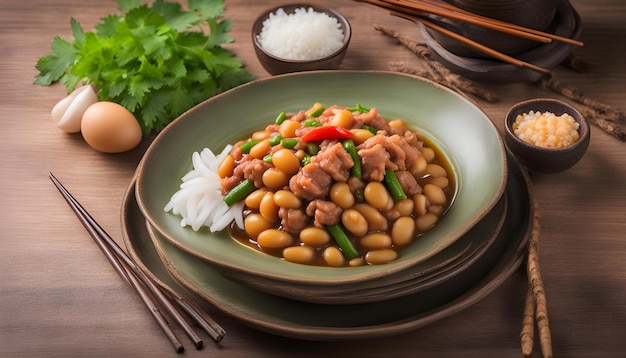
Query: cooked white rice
[
  {"x": 199, "y": 200},
  {"x": 303, "y": 35}
]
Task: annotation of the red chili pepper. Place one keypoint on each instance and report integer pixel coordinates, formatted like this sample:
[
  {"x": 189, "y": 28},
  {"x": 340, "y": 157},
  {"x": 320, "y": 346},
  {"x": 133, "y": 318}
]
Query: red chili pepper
[{"x": 326, "y": 132}]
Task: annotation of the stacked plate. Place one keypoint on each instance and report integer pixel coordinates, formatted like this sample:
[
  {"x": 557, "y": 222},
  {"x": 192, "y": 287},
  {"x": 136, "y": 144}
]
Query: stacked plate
[
  {"x": 476, "y": 245},
  {"x": 563, "y": 21}
]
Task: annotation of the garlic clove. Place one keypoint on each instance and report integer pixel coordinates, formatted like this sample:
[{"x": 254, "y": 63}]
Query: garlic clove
[{"x": 68, "y": 112}]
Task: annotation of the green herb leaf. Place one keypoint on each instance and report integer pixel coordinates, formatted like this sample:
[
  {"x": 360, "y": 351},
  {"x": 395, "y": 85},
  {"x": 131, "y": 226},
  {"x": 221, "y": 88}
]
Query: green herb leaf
[{"x": 155, "y": 60}]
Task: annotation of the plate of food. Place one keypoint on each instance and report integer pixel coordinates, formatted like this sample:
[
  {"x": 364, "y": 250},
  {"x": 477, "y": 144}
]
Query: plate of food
[
  {"x": 404, "y": 120},
  {"x": 168, "y": 264}
]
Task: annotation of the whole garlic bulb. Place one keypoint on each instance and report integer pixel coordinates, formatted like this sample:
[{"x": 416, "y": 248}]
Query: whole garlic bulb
[{"x": 68, "y": 112}]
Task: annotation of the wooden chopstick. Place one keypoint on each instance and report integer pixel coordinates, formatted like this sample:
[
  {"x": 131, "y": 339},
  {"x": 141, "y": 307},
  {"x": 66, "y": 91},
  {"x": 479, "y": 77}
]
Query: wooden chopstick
[
  {"x": 470, "y": 19},
  {"x": 451, "y": 7},
  {"x": 475, "y": 45},
  {"x": 497, "y": 22},
  {"x": 128, "y": 270},
  {"x": 505, "y": 24},
  {"x": 420, "y": 8}
]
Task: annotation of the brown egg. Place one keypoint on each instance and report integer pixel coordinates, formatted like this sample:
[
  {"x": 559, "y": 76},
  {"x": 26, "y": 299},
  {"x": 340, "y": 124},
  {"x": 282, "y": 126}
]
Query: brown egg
[{"x": 110, "y": 128}]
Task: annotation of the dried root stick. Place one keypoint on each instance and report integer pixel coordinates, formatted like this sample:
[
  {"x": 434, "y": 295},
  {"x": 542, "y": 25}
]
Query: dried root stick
[
  {"x": 575, "y": 63},
  {"x": 602, "y": 115},
  {"x": 434, "y": 70},
  {"x": 538, "y": 291},
  {"x": 551, "y": 83},
  {"x": 527, "y": 335},
  {"x": 611, "y": 127}
]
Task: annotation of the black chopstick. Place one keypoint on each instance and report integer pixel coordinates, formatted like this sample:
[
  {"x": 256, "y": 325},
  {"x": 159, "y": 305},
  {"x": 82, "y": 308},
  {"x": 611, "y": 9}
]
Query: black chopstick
[{"x": 127, "y": 269}]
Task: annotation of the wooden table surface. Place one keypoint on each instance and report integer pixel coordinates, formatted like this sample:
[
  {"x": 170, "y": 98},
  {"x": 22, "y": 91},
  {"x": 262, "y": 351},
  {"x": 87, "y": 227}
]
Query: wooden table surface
[{"x": 59, "y": 297}]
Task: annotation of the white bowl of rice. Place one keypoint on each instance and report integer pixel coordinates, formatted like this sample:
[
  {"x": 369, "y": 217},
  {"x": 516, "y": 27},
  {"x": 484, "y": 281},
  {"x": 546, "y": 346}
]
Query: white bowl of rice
[{"x": 300, "y": 37}]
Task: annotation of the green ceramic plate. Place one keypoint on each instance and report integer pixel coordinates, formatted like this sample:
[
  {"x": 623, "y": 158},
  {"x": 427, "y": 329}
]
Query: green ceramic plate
[
  {"x": 172, "y": 266},
  {"x": 459, "y": 128},
  {"x": 446, "y": 264}
]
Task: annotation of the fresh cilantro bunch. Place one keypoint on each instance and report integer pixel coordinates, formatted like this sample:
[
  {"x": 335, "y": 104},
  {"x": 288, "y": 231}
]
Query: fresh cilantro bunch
[{"x": 154, "y": 60}]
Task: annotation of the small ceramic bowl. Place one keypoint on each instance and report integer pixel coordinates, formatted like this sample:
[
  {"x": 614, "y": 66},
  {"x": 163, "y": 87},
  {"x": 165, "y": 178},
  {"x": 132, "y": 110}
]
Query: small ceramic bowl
[
  {"x": 542, "y": 159},
  {"x": 276, "y": 65}
]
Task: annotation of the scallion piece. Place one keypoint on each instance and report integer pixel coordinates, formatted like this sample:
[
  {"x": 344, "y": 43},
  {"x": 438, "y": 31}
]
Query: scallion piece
[{"x": 359, "y": 108}]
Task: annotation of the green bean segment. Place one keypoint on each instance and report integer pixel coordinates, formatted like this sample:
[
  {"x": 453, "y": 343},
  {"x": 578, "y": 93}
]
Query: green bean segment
[
  {"x": 317, "y": 112},
  {"x": 369, "y": 128},
  {"x": 248, "y": 145},
  {"x": 311, "y": 123},
  {"x": 289, "y": 143},
  {"x": 393, "y": 184},
  {"x": 281, "y": 118},
  {"x": 355, "y": 171},
  {"x": 239, "y": 192},
  {"x": 346, "y": 246},
  {"x": 312, "y": 148},
  {"x": 276, "y": 139}
]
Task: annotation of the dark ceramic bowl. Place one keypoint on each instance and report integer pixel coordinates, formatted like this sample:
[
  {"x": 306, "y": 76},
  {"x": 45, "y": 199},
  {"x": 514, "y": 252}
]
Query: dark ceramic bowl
[
  {"x": 475, "y": 66},
  {"x": 276, "y": 65},
  {"x": 541, "y": 159},
  {"x": 535, "y": 14}
]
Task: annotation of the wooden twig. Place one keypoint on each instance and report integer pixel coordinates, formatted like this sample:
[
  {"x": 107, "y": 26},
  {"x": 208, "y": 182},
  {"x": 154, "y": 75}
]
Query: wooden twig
[
  {"x": 611, "y": 127},
  {"x": 575, "y": 94},
  {"x": 537, "y": 286},
  {"x": 527, "y": 335},
  {"x": 575, "y": 63},
  {"x": 600, "y": 114},
  {"x": 434, "y": 70}
]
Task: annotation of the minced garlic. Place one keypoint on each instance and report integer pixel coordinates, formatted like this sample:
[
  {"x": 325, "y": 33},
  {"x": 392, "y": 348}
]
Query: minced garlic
[{"x": 546, "y": 129}]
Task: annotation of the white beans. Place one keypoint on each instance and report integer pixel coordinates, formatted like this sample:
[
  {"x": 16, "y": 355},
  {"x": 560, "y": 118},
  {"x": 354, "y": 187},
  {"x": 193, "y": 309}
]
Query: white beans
[
  {"x": 333, "y": 257},
  {"x": 287, "y": 199},
  {"x": 274, "y": 239},
  {"x": 403, "y": 231},
  {"x": 376, "y": 194},
  {"x": 314, "y": 236},
  {"x": 376, "y": 240},
  {"x": 425, "y": 222},
  {"x": 378, "y": 226},
  {"x": 341, "y": 195},
  {"x": 435, "y": 194},
  {"x": 375, "y": 220},
  {"x": 379, "y": 257},
  {"x": 268, "y": 208},
  {"x": 254, "y": 224},
  {"x": 299, "y": 254},
  {"x": 354, "y": 222}
]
